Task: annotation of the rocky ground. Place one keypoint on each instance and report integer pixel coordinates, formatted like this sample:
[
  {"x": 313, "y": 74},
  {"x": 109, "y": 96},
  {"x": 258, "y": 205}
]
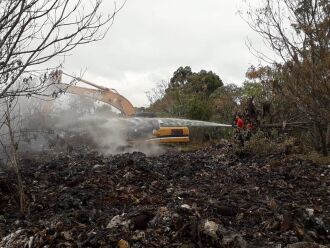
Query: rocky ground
[{"x": 205, "y": 198}]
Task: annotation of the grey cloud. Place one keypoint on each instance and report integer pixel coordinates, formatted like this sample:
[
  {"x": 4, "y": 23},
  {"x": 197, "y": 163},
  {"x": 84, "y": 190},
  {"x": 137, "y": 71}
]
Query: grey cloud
[{"x": 152, "y": 38}]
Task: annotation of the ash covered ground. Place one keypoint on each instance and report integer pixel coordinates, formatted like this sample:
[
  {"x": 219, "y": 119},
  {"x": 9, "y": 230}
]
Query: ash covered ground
[{"x": 203, "y": 198}]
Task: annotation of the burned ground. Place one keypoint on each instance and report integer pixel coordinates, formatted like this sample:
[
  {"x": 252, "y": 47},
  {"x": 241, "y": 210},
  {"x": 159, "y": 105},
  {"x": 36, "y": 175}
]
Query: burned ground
[{"x": 204, "y": 198}]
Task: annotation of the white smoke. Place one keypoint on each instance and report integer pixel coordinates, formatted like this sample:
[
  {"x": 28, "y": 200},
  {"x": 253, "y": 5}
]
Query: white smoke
[{"x": 76, "y": 124}]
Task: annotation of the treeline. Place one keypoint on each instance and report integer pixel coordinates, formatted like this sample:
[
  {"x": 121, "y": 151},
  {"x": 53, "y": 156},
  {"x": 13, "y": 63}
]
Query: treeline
[{"x": 203, "y": 96}]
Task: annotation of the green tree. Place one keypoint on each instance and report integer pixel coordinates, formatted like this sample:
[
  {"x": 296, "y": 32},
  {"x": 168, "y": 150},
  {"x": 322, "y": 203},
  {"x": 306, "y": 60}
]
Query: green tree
[
  {"x": 203, "y": 82},
  {"x": 199, "y": 109},
  {"x": 225, "y": 101},
  {"x": 180, "y": 77},
  {"x": 187, "y": 94}
]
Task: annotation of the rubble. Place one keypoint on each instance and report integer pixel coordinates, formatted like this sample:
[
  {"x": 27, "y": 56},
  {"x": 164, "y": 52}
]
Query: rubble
[
  {"x": 210, "y": 228},
  {"x": 123, "y": 244},
  {"x": 118, "y": 221},
  {"x": 307, "y": 245},
  {"x": 204, "y": 198}
]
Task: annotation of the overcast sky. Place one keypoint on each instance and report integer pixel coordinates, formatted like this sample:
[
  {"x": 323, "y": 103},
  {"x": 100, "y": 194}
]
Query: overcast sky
[{"x": 150, "y": 39}]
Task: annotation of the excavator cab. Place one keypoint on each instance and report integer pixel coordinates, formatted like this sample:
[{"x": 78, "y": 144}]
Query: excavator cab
[
  {"x": 149, "y": 130},
  {"x": 171, "y": 135}
]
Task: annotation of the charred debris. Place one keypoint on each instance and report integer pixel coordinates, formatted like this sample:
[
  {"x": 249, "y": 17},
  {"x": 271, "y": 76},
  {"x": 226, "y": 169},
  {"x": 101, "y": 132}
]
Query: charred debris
[{"x": 203, "y": 198}]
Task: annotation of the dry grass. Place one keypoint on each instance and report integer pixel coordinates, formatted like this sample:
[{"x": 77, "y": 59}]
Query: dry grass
[{"x": 315, "y": 158}]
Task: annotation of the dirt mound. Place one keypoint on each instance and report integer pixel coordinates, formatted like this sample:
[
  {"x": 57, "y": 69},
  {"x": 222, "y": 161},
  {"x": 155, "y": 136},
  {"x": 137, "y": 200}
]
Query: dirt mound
[{"x": 205, "y": 198}]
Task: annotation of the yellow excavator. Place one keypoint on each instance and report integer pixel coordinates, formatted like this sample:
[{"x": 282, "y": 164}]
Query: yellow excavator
[{"x": 144, "y": 126}]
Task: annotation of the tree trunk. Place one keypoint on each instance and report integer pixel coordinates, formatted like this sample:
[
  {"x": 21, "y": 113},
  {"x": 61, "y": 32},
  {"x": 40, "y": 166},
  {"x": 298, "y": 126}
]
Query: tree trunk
[
  {"x": 323, "y": 140},
  {"x": 315, "y": 138},
  {"x": 328, "y": 136},
  {"x": 14, "y": 162}
]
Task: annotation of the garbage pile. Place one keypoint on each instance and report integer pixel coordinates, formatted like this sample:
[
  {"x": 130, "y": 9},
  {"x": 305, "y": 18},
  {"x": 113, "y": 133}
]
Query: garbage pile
[{"x": 203, "y": 198}]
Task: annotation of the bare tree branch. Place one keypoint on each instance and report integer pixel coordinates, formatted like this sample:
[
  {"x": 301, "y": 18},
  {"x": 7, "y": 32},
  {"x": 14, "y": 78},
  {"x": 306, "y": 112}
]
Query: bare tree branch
[{"x": 33, "y": 32}]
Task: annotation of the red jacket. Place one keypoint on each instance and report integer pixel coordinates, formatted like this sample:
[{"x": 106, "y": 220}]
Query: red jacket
[{"x": 239, "y": 123}]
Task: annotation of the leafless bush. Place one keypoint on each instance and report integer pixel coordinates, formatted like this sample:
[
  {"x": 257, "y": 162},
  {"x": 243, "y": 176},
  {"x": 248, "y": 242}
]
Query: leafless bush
[
  {"x": 298, "y": 32},
  {"x": 33, "y": 32}
]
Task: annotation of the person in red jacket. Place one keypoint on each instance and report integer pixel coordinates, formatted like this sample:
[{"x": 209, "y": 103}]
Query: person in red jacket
[{"x": 239, "y": 124}]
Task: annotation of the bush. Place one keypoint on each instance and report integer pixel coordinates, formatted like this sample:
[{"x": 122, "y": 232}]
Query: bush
[
  {"x": 199, "y": 110},
  {"x": 206, "y": 134},
  {"x": 260, "y": 144}
]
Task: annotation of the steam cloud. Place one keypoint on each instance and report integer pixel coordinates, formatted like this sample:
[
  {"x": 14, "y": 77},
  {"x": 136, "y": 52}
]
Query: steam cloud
[{"x": 75, "y": 124}]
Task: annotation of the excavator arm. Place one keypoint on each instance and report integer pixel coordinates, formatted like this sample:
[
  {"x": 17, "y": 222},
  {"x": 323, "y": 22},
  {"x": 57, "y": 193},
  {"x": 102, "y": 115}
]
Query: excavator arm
[
  {"x": 102, "y": 94},
  {"x": 107, "y": 96}
]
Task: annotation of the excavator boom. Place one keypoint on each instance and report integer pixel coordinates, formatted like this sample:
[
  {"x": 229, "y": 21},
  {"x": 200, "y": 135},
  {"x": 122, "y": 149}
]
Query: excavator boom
[
  {"x": 87, "y": 82},
  {"x": 102, "y": 94},
  {"x": 107, "y": 96}
]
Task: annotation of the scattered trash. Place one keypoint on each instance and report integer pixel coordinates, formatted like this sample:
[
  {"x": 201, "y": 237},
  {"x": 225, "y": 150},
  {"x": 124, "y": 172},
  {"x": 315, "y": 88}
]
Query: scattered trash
[
  {"x": 123, "y": 244},
  {"x": 306, "y": 245},
  {"x": 210, "y": 228},
  {"x": 118, "y": 221}
]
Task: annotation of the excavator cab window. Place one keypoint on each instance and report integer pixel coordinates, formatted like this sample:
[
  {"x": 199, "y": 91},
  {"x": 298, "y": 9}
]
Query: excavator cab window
[
  {"x": 177, "y": 132},
  {"x": 145, "y": 114}
]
